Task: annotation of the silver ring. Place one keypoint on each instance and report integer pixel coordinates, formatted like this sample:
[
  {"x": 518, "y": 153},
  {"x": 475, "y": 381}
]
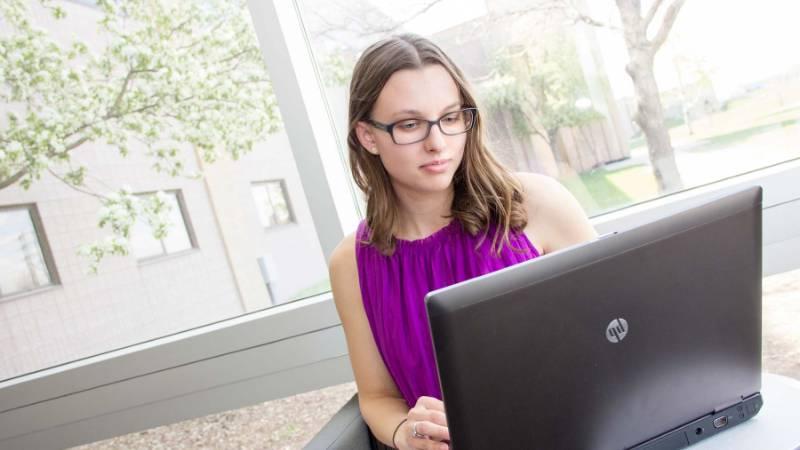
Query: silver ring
[{"x": 415, "y": 433}]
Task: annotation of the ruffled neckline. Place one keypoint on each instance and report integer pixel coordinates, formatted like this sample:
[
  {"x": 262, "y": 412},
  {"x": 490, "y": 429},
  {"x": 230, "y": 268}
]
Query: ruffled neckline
[{"x": 436, "y": 236}]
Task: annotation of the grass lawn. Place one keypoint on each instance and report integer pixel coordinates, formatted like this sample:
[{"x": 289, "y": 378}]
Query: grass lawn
[
  {"x": 603, "y": 190},
  {"x": 727, "y": 139}
]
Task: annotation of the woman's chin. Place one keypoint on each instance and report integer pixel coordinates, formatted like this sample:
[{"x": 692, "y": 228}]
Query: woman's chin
[
  {"x": 437, "y": 184},
  {"x": 426, "y": 184}
]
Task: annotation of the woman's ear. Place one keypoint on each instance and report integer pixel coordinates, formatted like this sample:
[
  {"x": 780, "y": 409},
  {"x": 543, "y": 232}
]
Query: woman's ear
[{"x": 366, "y": 138}]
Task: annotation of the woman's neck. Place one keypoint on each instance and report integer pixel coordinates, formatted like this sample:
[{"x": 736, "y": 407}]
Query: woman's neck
[{"x": 421, "y": 214}]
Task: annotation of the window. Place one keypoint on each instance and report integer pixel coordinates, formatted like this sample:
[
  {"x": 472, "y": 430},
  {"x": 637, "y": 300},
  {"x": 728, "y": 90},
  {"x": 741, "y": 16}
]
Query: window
[
  {"x": 556, "y": 98},
  {"x": 272, "y": 203},
  {"x": 144, "y": 245},
  {"x": 22, "y": 252},
  {"x": 195, "y": 116},
  {"x": 291, "y": 348}
]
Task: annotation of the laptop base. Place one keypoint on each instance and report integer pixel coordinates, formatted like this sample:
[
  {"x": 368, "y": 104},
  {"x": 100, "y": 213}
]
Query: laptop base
[{"x": 705, "y": 426}]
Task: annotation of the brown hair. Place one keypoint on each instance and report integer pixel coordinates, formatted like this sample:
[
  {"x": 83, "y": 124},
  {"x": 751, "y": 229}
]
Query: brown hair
[{"x": 484, "y": 190}]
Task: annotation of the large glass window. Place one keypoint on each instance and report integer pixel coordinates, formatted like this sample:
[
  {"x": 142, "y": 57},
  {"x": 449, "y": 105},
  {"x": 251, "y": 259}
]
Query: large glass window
[
  {"x": 22, "y": 258},
  {"x": 103, "y": 100},
  {"x": 556, "y": 84}
]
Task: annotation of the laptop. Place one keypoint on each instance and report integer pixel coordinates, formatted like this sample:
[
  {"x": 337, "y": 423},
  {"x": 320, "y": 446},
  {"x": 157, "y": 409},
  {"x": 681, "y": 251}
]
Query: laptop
[{"x": 647, "y": 338}]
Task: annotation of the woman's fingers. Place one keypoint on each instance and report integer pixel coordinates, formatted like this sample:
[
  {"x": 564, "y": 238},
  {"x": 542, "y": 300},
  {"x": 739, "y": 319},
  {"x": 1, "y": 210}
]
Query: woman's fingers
[
  {"x": 437, "y": 417},
  {"x": 429, "y": 417},
  {"x": 432, "y": 430},
  {"x": 433, "y": 407},
  {"x": 431, "y": 403},
  {"x": 423, "y": 444}
]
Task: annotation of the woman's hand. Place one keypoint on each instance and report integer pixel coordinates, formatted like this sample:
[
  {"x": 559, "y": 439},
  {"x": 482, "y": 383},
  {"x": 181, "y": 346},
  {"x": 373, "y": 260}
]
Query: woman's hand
[{"x": 428, "y": 415}]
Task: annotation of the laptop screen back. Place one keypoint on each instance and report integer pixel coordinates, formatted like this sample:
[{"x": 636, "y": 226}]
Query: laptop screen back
[{"x": 609, "y": 343}]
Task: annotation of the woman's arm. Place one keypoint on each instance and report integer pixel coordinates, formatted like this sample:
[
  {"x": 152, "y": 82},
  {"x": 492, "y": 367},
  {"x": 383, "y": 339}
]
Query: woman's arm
[
  {"x": 381, "y": 403},
  {"x": 555, "y": 218}
]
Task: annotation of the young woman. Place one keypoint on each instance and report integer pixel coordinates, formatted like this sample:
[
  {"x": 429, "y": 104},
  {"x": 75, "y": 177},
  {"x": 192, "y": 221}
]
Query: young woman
[{"x": 440, "y": 209}]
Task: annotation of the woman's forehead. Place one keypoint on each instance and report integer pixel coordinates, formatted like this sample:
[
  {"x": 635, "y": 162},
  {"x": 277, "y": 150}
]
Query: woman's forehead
[{"x": 428, "y": 91}]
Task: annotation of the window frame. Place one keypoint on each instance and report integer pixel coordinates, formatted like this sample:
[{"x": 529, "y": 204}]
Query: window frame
[
  {"x": 285, "y": 192},
  {"x": 187, "y": 223},
  {"x": 294, "y": 347},
  {"x": 44, "y": 247}
]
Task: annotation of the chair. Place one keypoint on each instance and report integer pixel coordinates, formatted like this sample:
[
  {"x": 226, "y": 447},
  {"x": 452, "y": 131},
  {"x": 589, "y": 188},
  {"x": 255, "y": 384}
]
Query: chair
[{"x": 346, "y": 430}]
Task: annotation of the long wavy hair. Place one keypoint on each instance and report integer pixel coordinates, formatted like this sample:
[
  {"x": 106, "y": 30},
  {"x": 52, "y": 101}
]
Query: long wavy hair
[{"x": 484, "y": 190}]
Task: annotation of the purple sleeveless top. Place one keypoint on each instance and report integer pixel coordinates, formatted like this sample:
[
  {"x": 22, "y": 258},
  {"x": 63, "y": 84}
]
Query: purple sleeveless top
[{"x": 394, "y": 288}]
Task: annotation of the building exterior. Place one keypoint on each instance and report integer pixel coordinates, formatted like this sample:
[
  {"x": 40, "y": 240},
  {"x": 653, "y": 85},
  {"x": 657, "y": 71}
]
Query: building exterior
[{"x": 242, "y": 240}]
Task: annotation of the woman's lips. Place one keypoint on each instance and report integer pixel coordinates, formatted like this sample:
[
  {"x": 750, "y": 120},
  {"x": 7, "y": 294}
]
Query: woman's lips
[{"x": 438, "y": 166}]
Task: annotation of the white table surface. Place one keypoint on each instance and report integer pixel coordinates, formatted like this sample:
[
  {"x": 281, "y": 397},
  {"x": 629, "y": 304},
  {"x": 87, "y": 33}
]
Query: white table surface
[{"x": 775, "y": 427}]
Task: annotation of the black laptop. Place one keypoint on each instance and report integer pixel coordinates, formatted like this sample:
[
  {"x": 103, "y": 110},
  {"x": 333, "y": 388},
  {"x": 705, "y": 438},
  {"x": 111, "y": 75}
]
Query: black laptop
[{"x": 646, "y": 338}]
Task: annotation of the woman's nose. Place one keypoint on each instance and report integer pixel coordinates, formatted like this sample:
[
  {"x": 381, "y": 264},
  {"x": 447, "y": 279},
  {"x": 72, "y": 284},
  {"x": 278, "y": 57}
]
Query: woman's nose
[{"x": 435, "y": 140}]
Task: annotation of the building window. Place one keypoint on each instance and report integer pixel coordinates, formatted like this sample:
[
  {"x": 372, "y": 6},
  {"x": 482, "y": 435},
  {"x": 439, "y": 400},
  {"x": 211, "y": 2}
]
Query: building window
[
  {"x": 23, "y": 247},
  {"x": 272, "y": 203},
  {"x": 179, "y": 237}
]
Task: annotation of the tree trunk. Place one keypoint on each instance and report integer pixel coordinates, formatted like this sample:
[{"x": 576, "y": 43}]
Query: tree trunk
[
  {"x": 649, "y": 112},
  {"x": 650, "y": 118}
]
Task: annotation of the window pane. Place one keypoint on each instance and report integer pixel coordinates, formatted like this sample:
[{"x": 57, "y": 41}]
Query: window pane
[
  {"x": 263, "y": 205},
  {"x": 557, "y": 99},
  {"x": 279, "y": 204},
  {"x": 177, "y": 238},
  {"x": 22, "y": 265},
  {"x": 142, "y": 113},
  {"x": 143, "y": 244}
]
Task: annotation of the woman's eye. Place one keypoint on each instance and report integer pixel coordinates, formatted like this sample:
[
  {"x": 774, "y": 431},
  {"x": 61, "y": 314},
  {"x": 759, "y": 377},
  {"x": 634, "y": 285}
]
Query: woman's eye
[
  {"x": 410, "y": 125},
  {"x": 451, "y": 118}
]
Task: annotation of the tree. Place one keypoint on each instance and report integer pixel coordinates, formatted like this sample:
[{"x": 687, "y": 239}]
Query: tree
[
  {"x": 539, "y": 83},
  {"x": 649, "y": 111},
  {"x": 173, "y": 74},
  {"x": 642, "y": 51}
]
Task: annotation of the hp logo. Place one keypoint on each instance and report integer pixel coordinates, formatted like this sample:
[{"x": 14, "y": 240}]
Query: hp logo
[{"x": 617, "y": 330}]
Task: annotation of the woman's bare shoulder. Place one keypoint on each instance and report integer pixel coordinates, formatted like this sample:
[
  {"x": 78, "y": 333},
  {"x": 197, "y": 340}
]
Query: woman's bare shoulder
[
  {"x": 536, "y": 186},
  {"x": 553, "y": 212},
  {"x": 343, "y": 271},
  {"x": 345, "y": 251}
]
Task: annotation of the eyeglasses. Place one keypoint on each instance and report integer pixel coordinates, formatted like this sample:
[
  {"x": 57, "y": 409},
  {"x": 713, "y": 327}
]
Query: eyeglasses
[{"x": 411, "y": 131}]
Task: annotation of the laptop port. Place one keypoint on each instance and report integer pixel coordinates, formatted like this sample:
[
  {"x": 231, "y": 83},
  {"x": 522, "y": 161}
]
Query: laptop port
[{"x": 720, "y": 422}]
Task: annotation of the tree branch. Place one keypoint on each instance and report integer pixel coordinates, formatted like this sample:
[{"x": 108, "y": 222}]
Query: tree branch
[
  {"x": 75, "y": 144},
  {"x": 666, "y": 25},
  {"x": 235, "y": 55},
  {"x": 93, "y": 194},
  {"x": 580, "y": 17},
  {"x": 13, "y": 178},
  {"x": 652, "y": 12},
  {"x": 137, "y": 110},
  {"x": 361, "y": 20},
  {"x": 575, "y": 13},
  {"x": 118, "y": 100},
  {"x": 178, "y": 27}
]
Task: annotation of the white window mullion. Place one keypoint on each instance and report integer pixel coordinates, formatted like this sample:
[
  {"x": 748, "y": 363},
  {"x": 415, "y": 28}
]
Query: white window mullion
[{"x": 306, "y": 118}]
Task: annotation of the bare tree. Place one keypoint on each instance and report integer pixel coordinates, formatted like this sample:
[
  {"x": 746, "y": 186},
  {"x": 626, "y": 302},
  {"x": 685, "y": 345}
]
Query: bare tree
[{"x": 649, "y": 111}]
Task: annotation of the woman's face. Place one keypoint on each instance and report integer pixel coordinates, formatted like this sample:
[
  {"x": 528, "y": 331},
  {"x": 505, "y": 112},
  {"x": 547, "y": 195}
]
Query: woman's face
[{"x": 428, "y": 165}]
